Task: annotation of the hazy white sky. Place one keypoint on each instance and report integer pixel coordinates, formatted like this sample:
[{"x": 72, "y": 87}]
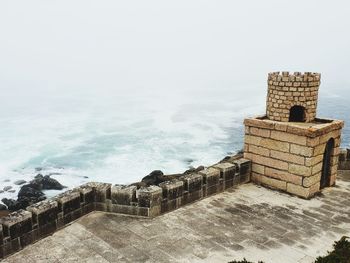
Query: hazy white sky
[{"x": 111, "y": 46}]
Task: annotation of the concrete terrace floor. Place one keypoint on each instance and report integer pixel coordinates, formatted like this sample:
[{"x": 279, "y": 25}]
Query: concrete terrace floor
[{"x": 249, "y": 221}]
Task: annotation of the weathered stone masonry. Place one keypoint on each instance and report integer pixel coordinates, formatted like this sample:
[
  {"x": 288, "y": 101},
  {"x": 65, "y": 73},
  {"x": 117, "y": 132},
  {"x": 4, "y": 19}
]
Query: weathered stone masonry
[
  {"x": 288, "y": 90},
  {"x": 287, "y": 145},
  {"x": 25, "y": 227}
]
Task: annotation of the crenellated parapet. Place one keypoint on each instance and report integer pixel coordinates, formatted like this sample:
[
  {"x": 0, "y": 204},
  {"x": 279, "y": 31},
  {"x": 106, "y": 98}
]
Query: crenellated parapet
[{"x": 24, "y": 227}]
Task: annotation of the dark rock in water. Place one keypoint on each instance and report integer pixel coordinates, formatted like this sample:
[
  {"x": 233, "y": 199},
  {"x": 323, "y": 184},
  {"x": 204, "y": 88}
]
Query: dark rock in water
[
  {"x": 6, "y": 180},
  {"x": 20, "y": 182},
  {"x": 12, "y": 204},
  {"x": 194, "y": 170},
  {"x": 156, "y": 177},
  {"x": 38, "y": 169},
  {"x": 86, "y": 177},
  {"x": 3, "y": 207},
  {"x": 1, "y": 191},
  {"x": 23, "y": 200},
  {"x": 11, "y": 191},
  {"x": 30, "y": 192},
  {"x": 6, "y": 188},
  {"x": 46, "y": 183}
]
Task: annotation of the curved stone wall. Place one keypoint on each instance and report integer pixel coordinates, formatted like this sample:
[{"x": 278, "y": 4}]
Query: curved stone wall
[{"x": 286, "y": 90}]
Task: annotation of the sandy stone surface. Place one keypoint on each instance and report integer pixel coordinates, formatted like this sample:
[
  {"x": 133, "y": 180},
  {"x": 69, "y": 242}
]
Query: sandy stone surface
[{"x": 249, "y": 221}]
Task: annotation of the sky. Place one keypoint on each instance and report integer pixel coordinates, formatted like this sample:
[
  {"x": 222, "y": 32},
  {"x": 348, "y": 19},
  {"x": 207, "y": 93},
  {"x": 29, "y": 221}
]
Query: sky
[{"x": 76, "y": 48}]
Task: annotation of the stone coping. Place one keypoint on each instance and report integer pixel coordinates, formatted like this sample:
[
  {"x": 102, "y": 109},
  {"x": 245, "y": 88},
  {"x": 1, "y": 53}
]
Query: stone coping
[
  {"x": 296, "y": 76},
  {"x": 312, "y": 129}
]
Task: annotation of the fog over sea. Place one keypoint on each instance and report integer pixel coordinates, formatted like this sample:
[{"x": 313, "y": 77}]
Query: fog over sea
[{"x": 109, "y": 91}]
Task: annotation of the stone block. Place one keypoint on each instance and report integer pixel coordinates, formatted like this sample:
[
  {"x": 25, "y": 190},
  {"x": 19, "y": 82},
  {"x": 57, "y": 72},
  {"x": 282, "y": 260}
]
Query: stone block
[
  {"x": 258, "y": 150},
  {"x": 275, "y": 145},
  {"x": 283, "y": 176},
  {"x": 311, "y": 180},
  {"x": 48, "y": 229},
  {"x": 287, "y": 137},
  {"x": 6, "y": 247},
  {"x": 149, "y": 196},
  {"x": 68, "y": 201},
  {"x": 301, "y": 150},
  {"x": 288, "y": 157},
  {"x": 44, "y": 212},
  {"x": 229, "y": 184},
  {"x": 192, "y": 197},
  {"x": 29, "y": 238},
  {"x": 300, "y": 170},
  {"x": 192, "y": 182},
  {"x": 172, "y": 189},
  {"x": 15, "y": 245},
  {"x": 87, "y": 208},
  {"x": 124, "y": 209},
  {"x": 210, "y": 176},
  {"x": 318, "y": 168},
  {"x": 257, "y": 168},
  {"x": 170, "y": 205},
  {"x": 244, "y": 167},
  {"x": 227, "y": 170},
  {"x": 143, "y": 211},
  {"x": 123, "y": 194},
  {"x": 211, "y": 190},
  {"x": 313, "y": 160},
  {"x": 273, "y": 163},
  {"x": 102, "y": 191},
  {"x": 301, "y": 191},
  {"x": 268, "y": 181},
  {"x": 103, "y": 207},
  {"x": 87, "y": 195},
  {"x": 260, "y": 132},
  {"x": 17, "y": 224}
]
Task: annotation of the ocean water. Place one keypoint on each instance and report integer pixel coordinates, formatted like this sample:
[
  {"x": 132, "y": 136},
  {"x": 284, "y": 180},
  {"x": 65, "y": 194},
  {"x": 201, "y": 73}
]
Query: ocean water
[{"x": 121, "y": 138}]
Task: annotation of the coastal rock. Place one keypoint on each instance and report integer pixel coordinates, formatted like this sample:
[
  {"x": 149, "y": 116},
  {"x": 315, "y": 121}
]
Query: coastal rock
[
  {"x": 30, "y": 191},
  {"x": 12, "y": 204},
  {"x": 41, "y": 182},
  {"x": 1, "y": 191},
  {"x": 3, "y": 207},
  {"x": 156, "y": 177},
  {"x": 6, "y": 188},
  {"x": 11, "y": 191},
  {"x": 194, "y": 170},
  {"x": 20, "y": 182}
]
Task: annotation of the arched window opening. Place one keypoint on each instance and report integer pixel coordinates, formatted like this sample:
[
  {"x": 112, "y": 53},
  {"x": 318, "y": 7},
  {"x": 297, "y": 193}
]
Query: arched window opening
[{"x": 297, "y": 114}]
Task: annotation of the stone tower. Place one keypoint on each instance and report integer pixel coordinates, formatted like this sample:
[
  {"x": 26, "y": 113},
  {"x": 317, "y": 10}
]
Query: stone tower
[{"x": 290, "y": 148}]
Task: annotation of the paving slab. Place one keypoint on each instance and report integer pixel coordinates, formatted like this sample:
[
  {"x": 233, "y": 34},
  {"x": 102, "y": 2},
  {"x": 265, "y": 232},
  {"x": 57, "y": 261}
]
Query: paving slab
[{"x": 249, "y": 222}]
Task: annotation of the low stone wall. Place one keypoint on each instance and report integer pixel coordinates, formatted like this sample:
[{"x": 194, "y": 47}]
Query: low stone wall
[
  {"x": 344, "y": 159},
  {"x": 24, "y": 227}
]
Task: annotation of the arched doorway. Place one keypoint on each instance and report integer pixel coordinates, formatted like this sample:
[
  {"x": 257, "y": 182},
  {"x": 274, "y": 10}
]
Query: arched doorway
[
  {"x": 326, "y": 166},
  {"x": 297, "y": 114}
]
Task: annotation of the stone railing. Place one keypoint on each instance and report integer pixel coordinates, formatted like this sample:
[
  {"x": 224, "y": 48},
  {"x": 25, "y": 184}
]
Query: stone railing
[
  {"x": 24, "y": 227},
  {"x": 344, "y": 159}
]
